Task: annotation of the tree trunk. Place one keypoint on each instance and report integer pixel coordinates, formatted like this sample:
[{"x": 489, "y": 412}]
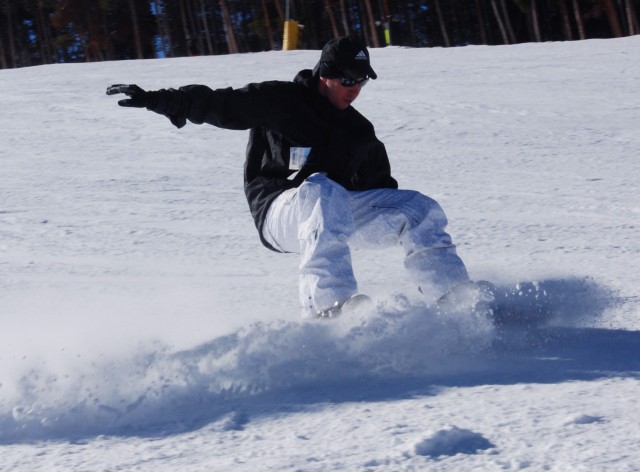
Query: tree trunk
[
  {"x": 578, "y": 17},
  {"x": 412, "y": 27},
  {"x": 12, "y": 44},
  {"x": 332, "y": 19},
  {"x": 108, "y": 43},
  {"x": 193, "y": 24},
  {"x": 480, "y": 20},
  {"x": 213, "y": 26},
  {"x": 632, "y": 23},
  {"x": 281, "y": 15},
  {"x": 612, "y": 16},
  {"x": 443, "y": 27},
  {"x": 232, "y": 45},
  {"x": 267, "y": 23},
  {"x": 345, "y": 21},
  {"x": 372, "y": 24},
  {"x": 534, "y": 21},
  {"x": 566, "y": 24},
  {"x": 205, "y": 27},
  {"x": 136, "y": 30},
  {"x": 44, "y": 59},
  {"x": 242, "y": 25},
  {"x": 44, "y": 35},
  {"x": 455, "y": 12},
  {"x": 185, "y": 28},
  {"x": 507, "y": 22},
  {"x": 3, "y": 58},
  {"x": 88, "y": 34},
  {"x": 503, "y": 31},
  {"x": 310, "y": 31}
]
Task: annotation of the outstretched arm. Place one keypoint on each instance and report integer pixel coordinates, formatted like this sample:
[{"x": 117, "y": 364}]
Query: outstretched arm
[{"x": 263, "y": 104}]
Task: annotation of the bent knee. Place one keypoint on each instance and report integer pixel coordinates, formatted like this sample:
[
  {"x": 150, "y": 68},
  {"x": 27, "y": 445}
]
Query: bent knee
[{"x": 420, "y": 209}]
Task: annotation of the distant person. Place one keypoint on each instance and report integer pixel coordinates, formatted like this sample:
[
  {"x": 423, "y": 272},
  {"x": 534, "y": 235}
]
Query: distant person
[{"x": 317, "y": 179}]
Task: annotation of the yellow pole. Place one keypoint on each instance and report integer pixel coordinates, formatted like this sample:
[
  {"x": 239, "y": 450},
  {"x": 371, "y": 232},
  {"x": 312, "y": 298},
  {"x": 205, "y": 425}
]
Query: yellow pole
[{"x": 290, "y": 40}]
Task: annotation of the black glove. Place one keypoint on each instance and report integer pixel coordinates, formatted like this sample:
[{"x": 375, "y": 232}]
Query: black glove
[
  {"x": 139, "y": 98},
  {"x": 164, "y": 102}
]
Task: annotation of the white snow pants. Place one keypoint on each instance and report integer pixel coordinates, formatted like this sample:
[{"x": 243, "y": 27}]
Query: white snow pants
[{"x": 320, "y": 220}]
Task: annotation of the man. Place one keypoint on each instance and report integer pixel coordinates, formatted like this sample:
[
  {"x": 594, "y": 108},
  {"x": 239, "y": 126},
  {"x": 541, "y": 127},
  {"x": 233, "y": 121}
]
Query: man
[{"x": 317, "y": 179}]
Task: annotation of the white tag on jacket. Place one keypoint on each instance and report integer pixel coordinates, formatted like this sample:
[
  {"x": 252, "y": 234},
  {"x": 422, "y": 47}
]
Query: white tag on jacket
[{"x": 298, "y": 157}]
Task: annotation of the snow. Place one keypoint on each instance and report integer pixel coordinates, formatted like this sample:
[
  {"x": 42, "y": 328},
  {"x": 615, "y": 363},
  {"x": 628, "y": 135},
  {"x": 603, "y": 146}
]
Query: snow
[{"x": 144, "y": 327}]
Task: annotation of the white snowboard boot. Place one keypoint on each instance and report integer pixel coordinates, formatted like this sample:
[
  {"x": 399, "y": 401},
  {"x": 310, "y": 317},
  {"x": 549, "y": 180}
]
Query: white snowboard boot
[{"x": 356, "y": 303}]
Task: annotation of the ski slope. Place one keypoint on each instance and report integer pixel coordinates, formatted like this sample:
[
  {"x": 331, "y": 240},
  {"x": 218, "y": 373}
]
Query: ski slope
[{"x": 144, "y": 327}]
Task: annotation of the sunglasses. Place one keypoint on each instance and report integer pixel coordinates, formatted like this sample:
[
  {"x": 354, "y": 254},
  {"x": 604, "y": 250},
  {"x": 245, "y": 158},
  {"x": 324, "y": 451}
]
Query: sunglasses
[{"x": 347, "y": 81}]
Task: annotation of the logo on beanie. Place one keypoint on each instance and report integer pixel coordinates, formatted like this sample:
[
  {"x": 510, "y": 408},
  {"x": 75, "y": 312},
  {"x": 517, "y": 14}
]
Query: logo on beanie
[{"x": 361, "y": 56}]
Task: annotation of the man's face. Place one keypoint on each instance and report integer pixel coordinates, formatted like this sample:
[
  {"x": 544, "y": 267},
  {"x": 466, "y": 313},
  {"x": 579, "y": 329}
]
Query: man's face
[{"x": 339, "y": 95}]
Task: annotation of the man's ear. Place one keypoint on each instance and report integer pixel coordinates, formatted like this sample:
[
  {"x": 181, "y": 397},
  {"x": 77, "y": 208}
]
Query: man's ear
[{"x": 322, "y": 85}]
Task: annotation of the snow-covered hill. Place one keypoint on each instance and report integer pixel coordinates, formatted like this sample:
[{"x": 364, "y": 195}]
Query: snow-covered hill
[{"x": 144, "y": 327}]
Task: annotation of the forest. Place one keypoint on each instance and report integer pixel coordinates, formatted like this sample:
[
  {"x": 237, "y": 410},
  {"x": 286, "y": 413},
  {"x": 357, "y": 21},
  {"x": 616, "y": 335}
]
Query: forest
[{"x": 34, "y": 32}]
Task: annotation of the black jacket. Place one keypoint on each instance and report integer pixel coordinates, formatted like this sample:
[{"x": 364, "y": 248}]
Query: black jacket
[{"x": 282, "y": 115}]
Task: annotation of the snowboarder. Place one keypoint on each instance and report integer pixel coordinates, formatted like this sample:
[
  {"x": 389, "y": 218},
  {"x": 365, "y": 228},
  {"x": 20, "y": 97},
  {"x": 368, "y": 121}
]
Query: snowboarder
[{"x": 317, "y": 179}]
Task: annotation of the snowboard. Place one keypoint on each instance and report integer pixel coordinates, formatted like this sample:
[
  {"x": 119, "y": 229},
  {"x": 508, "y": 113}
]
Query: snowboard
[{"x": 524, "y": 305}]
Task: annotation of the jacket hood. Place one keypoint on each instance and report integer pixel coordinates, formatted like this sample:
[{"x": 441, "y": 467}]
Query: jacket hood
[{"x": 308, "y": 78}]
